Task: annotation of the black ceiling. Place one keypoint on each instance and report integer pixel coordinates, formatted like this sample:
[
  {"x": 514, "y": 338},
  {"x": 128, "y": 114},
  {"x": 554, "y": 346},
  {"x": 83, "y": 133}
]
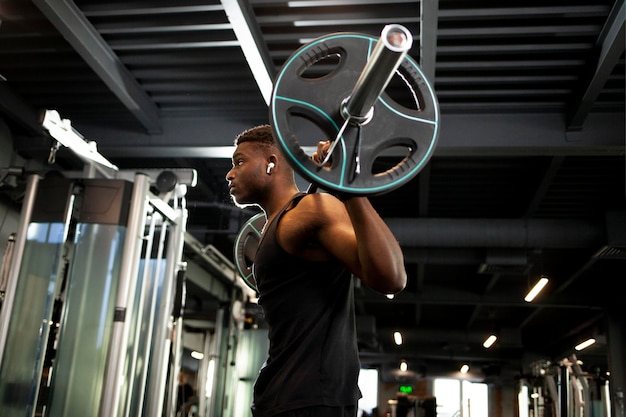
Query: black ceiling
[{"x": 527, "y": 177}]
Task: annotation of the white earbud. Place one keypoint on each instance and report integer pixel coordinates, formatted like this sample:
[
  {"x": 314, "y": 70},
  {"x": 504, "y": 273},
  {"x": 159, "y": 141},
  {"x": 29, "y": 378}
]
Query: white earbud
[{"x": 269, "y": 167}]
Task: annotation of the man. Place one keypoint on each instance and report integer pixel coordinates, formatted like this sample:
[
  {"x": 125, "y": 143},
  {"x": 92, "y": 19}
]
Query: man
[
  {"x": 185, "y": 394},
  {"x": 311, "y": 245}
]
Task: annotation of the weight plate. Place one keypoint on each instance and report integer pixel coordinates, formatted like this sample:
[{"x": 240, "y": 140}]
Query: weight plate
[
  {"x": 246, "y": 244},
  {"x": 306, "y": 107}
]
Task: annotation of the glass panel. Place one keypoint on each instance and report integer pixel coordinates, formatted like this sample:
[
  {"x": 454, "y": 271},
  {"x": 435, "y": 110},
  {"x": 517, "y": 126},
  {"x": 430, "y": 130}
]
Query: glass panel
[
  {"x": 128, "y": 401},
  {"x": 251, "y": 353},
  {"x": 30, "y": 319},
  {"x": 144, "y": 313},
  {"x": 78, "y": 374}
]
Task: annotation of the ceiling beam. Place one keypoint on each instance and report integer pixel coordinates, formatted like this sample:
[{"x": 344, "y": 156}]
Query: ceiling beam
[
  {"x": 250, "y": 37},
  {"x": 461, "y": 135},
  {"x": 85, "y": 39},
  {"x": 429, "y": 16},
  {"x": 609, "y": 47}
]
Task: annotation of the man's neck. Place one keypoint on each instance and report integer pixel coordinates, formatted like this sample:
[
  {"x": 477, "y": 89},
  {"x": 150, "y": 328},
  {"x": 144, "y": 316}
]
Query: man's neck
[{"x": 278, "y": 201}]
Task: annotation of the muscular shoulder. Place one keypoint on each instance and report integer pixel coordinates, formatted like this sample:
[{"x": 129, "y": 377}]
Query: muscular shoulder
[
  {"x": 319, "y": 203},
  {"x": 298, "y": 230}
]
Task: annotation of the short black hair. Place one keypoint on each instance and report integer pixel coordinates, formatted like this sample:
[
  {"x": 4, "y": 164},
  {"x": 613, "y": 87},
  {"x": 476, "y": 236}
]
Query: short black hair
[{"x": 261, "y": 134}]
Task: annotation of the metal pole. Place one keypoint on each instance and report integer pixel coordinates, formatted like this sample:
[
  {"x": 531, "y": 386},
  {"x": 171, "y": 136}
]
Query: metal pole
[
  {"x": 564, "y": 390},
  {"x": 114, "y": 373},
  {"x": 16, "y": 260},
  {"x": 141, "y": 318},
  {"x": 218, "y": 362},
  {"x": 394, "y": 42},
  {"x": 162, "y": 334}
]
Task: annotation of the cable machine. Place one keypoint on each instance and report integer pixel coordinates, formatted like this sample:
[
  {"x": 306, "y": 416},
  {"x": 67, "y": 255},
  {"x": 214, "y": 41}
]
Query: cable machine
[
  {"x": 86, "y": 327},
  {"x": 564, "y": 390}
]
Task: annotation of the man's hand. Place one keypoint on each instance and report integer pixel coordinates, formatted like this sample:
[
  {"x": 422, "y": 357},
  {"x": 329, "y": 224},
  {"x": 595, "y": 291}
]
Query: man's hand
[{"x": 322, "y": 152}]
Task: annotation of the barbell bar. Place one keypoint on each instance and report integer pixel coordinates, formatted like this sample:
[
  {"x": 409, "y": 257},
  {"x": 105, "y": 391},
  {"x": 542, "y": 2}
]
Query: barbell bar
[{"x": 336, "y": 88}]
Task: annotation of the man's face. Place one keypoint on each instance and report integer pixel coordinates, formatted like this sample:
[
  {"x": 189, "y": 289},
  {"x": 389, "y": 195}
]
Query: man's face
[{"x": 246, "y": 175}]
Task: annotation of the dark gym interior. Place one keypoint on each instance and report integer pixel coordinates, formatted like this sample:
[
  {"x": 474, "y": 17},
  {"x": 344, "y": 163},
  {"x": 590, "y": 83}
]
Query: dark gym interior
[{"x": 527, "y": 178}]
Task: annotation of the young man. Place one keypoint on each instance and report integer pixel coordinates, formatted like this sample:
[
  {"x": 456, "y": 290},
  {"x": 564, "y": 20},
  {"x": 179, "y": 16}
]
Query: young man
[{"x": 311, "y": 245}]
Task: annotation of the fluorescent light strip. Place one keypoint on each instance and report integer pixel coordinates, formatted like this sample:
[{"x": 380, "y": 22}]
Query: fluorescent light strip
[
  {"x": 168, "y": 29},
  {"x": 181, "y": 45},
  {"x": 490, "y": 341},
  {"x": 585, "y": 344},
  {"x": 325, "y": 3},
  {"x": 347, "y": 22},
  {"x": 249, "y": 48},
  {"x": 197, "y": 355},
  {"x": 536, "y": 289},
  {"x": 143, "y": 11}
]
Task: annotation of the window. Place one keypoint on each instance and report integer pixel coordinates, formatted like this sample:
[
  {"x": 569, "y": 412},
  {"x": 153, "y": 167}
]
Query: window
[
  {"x": 460, "y": 398},
  {"x": 368, "y": 384}
]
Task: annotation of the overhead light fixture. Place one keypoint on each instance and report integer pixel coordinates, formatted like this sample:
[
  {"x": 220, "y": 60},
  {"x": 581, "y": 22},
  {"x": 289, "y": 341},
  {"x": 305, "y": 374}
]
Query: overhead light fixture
[
  {"x": 390, "y": 296},
  {"x": 63, "y": 132},
  {"x": 404, "y": 366},
  {"x": 197, "y": 355},
  {"x": 397, "y": 337},
  {"x": 264, "y": 80},
  {"x": 585, "y": 344},
  {"x": 536, "y": 289},
  {"x": 326, "y": 3},
  {"x": 465, "y": 368},
  {"x": 351, "y": 22},
  {"x": 490, "y": 341}
]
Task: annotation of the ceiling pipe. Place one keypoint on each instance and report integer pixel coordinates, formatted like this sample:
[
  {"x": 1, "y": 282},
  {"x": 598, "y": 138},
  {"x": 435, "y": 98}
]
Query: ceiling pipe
[{"x": 501, "y": 233}]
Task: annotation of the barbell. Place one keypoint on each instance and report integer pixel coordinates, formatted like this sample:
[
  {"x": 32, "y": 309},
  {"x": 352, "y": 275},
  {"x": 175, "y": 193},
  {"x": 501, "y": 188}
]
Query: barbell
[{"x": 338, "y": 88}]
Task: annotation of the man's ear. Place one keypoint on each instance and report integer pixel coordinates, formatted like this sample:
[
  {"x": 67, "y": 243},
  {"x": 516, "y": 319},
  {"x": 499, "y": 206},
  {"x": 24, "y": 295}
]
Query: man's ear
[{"x": 271, "y": 163}]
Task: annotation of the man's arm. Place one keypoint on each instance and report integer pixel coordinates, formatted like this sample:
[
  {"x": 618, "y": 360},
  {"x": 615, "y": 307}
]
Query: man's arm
[
  {"x": 380, "y": 256},
  {"x": 359, "y": 237},
  {"x": 355, "y": 234}
]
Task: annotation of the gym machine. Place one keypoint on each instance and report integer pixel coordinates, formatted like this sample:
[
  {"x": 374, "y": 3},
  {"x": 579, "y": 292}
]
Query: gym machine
[
  {"x": 86, "y": 327},
  {"x": 564, "y": 390}
]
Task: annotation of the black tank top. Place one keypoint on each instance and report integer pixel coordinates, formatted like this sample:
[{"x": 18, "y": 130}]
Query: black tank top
[{"x": 309, "y": 308}]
